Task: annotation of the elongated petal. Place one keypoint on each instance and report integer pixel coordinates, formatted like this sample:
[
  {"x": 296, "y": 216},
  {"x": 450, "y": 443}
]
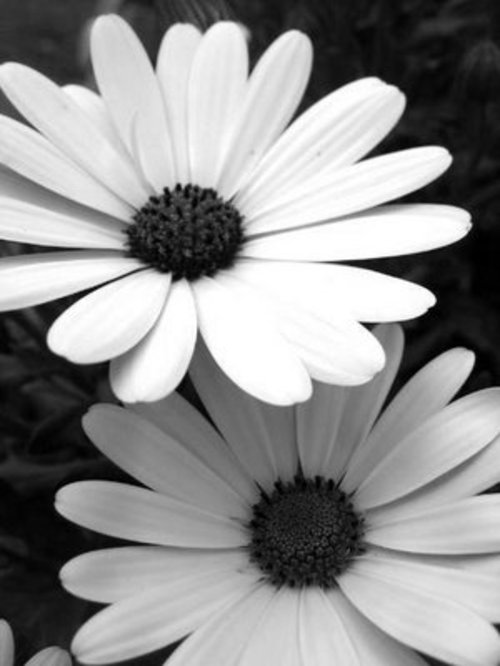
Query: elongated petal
[
  {"x": 173, "y": 69},
  {"x": 276, "y": 636},
  {"x": 156, "y": 618},
  {"x": 158, "y": 461},
  {"x": 62, "y": 121},
  {"x": 138, "y": 514},
  {"x": 6, "y": 644},
  {"x": 322, "y": 635},
  {"x": 422, "y": 397},
  {"x": 274, "y": 91},
  {"x": 129, "y": 87},
  {"x": 24, "y": 223},
  {"x": 440, "y": 444},
  {"x": 387, "y": 231},
  {"x": 239, "y": 417},
  {"x": 476, "y": 591},
  {"x": 110, "y": 575},
  {"x": 362, "y": 406},
  {"x": 179, "y": 419},
  {"x": 92, "y": 104},
  {"x": 373, "y": 646},
  {"x": 30, "y": 154},
  {"x": 244, "y": 339},
  {"x": 479, "y": 473},
  {"x": 349, "y": 190},
  {"x": 317, "y": 423},
  {"x": 336, "y": 349},
  {"x": 111, "y": 320},
  {"x": 468, "y": 526},
  {"x": 329, "y": 289},
  {"x": 222, "y": 640},
  {"x": 217, "y": 83},
  {"x": 37, "y": 278},
  {"x": 424, "y": 621},
  {"x": 51, "y": 656},
  {"x": 336, "y": 131},
  {"x": 155, "y": 366}
]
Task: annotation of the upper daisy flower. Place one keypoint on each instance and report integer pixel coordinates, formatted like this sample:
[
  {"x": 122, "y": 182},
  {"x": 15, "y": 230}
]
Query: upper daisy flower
[
  {"x": 317, "y": 534},
  {"x": 199, "y": 208},
  {"x": 51, "y": 656}
]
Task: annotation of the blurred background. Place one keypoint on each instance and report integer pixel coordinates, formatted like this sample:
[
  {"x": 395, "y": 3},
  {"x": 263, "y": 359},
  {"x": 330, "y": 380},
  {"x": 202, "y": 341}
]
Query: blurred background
[{"x": 444, "y": 54}]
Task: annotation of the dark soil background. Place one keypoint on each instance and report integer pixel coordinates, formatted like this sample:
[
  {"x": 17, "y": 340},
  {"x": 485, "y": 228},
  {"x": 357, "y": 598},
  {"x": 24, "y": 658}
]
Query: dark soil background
[{"x": 445, "y": 56}]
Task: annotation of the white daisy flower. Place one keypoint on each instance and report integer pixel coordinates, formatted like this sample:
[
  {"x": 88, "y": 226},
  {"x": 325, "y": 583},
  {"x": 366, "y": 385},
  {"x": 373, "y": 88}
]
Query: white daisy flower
[
  {"x": 51, "y": 656},
  {"x": 318, "y": 534},
  {"x": 183, "y": 189}
]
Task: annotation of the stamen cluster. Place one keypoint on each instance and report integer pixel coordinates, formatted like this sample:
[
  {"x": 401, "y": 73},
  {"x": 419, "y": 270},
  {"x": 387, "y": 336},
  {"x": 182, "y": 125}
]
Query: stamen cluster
[
  {"x": 188, "y": 231},
  {"x": 305, "y": 532}
]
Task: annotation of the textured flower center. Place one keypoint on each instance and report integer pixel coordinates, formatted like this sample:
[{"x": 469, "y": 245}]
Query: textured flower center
[
  {"x": 188, "y": 231},
  {"x": 305, "y": 532}
]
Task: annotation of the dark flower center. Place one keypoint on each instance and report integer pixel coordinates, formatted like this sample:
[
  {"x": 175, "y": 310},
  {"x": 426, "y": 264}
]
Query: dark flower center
[
  {"x": 188, "y": 231},
  {"x": 304, "y": 533}
]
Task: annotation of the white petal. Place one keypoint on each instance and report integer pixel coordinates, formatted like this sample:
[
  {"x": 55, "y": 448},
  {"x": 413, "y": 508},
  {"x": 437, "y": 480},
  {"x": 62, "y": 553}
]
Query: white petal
[
  {"x": 440, "y": 444},
  {"x": 111, "y": 320},
  {"x": 173, "y": 69},
  {"x": 322, "y": 635},
  {"x": 366, "y": 295},
  {"x": 110, "y": 575},
  {"x": 156, "y": 618},
  {"x": 317, "y": 423},
  {"x": 480, "y": 472},
  {"x": 155, "y": 366},
  {"x": 468, "y": 526},
  {"x": 24, "y": 223},
  {"x": 30, "y": 154},
  {"x": 6, "y": 644},
  {"x": 62, "y": 121},
  {"x": 336, "y": 131},
  {"x": 244, "y": 339},
  {"x": 362, "y": 406},
  {"x": 51, "y": 656},
  {"x": 138, "y": 514},
  {"x": 274, "y": 91},
  {"x": 222, "y": 640},
  {"x": 180, "y": 420},
  {"x": 424, "y": 621},
  {"x": 422, "y": 397},
  {"x": 477, "y": 592},
  {"x": 217, "y": 83},
  {"x": 373, "y": 646},
  {"x": 351, "y": 189},
  {"x": 159, "y": 461},
  {"x": 275, "y": 640},
  {"x": 128, "y": 85},
  {"x": 37, "y": 278},
  {"x": 239, "y": 417},
  {"x": 94, "y": 107},
  {"x": 386, "y": 231},
  {"x": 336, "y": 349}
]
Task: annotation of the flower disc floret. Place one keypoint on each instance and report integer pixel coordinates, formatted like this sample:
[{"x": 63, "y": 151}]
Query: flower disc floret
[
  {"x": 306, "y": 532},
  {"x": 189, "y": 231}
]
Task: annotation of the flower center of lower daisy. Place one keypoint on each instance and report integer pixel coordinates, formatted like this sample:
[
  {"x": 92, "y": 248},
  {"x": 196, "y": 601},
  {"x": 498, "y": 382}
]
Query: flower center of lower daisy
[
  {"x": 304, "y": 533},
  {"x": 188, "y": 231}
]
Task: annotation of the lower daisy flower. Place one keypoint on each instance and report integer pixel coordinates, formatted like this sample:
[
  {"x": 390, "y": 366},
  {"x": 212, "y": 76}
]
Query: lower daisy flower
[
  {"x": 190, "y": 195},
  {"x": 51, "y": 656},
  {"x": 325, "y": 533}
]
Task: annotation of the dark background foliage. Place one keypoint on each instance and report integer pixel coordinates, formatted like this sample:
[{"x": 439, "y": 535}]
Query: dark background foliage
[{"x": 445, "y": 56}]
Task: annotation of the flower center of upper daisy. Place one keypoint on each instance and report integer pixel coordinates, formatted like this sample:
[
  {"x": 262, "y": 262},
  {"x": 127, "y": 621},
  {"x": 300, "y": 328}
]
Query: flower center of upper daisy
[
  {"x": 188, "y": 231},
  {"x": 305, "y": 532}
]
